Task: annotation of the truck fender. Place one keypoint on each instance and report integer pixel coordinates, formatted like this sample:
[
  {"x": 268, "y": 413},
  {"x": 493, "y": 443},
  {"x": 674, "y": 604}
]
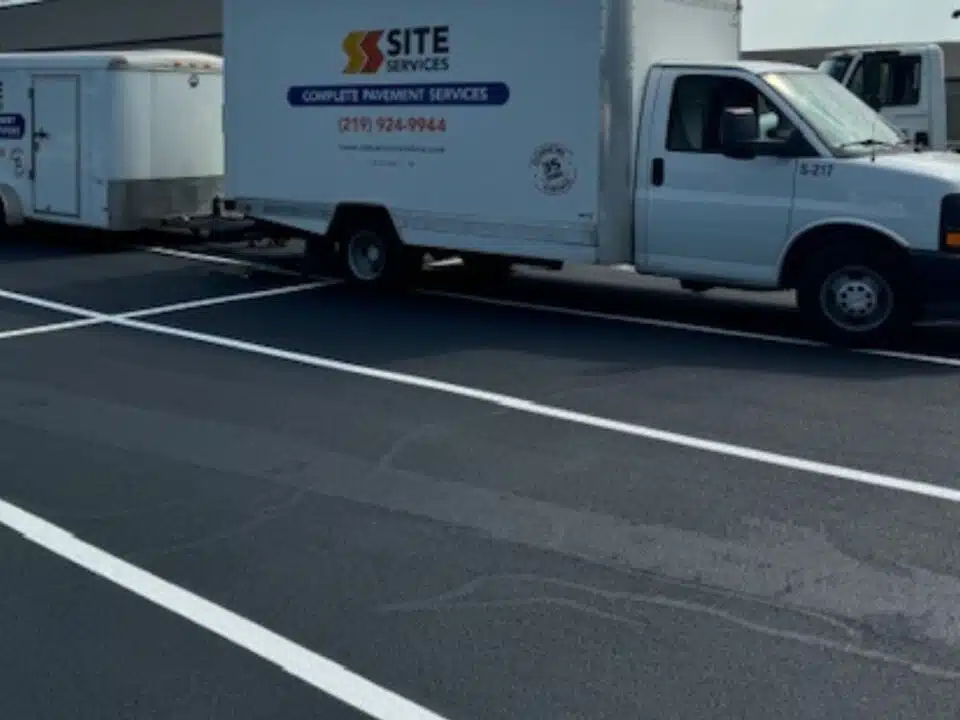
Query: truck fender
[
  {"x": 812, "y": 237},
  {"x": 10, "y": 205}
]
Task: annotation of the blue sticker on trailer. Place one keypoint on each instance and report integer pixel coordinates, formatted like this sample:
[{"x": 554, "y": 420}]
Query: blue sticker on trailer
[
  {"x": 12, "y": 126},
  {"x": 408, "y": 95}
]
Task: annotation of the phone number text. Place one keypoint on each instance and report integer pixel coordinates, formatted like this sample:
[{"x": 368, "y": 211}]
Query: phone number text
[{"x": 388, "y": 124}]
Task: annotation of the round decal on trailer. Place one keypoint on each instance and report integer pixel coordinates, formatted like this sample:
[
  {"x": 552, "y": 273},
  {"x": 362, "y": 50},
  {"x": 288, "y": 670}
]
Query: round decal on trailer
[
  {"x": 194, "y": 80},
  {"x": 553, "y": 170}
]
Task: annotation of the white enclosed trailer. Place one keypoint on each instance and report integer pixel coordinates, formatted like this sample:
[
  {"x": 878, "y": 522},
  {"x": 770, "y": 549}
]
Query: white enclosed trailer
[
  {"x": 109, "y": 140},
  {"x": 582, "y": 131}
]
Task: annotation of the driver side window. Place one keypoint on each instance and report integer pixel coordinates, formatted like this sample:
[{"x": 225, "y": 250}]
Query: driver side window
[{"x": 697, "y": 107}]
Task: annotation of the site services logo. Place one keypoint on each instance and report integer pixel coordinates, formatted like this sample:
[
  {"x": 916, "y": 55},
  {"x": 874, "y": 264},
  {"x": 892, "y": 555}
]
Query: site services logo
[{"x": 425, "y": 48}]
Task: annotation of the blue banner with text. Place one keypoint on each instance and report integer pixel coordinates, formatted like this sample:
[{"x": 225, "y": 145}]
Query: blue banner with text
[{"x": 433, "y": 94}]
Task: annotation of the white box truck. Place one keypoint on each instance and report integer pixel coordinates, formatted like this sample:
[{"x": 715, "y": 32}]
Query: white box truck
[
  {"x": 109, "y": 140},
  {"x": 583, "y": 131},
  {"x": 910, "y": 85}
]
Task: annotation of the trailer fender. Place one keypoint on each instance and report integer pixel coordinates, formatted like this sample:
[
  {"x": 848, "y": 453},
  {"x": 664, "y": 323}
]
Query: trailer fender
[{"x": 11, "y": 211}]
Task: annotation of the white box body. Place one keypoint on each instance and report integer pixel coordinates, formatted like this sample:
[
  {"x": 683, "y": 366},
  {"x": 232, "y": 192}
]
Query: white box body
[{"x": 511, "y": 130}]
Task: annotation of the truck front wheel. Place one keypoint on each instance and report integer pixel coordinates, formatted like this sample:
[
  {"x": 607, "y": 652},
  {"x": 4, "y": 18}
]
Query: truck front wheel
[{"x": 853, "y": 296}]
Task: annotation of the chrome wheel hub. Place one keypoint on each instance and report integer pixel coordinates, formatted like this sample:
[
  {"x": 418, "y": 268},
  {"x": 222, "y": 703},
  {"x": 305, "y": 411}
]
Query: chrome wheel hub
[{"x": 857, "y": 299}]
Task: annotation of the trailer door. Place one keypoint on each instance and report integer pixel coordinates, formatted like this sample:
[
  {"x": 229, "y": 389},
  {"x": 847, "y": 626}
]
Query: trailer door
[{"x": 56, "y": 145}]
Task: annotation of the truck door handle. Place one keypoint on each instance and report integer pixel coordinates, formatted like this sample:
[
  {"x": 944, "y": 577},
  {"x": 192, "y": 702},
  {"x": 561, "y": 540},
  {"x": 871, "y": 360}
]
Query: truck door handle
[
  {"x": 41, "y": 134},
  {"x": 656, "y": 172}
]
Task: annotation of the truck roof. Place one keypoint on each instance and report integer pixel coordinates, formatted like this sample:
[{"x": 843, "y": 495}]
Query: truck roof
[
  {"x": 145, "y": 59},
  {"x": 755, "y": 67}
]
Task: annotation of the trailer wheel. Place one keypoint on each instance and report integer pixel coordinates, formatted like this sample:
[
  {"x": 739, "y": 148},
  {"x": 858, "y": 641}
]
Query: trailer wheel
[{"x": 855, "y": 296}]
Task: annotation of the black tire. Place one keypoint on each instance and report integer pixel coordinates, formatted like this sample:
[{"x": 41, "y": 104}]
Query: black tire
[
  {"x": 855, "y": 296},
  {"x": 7, "y": 231},
  {"x": 487, "y": 268},
  {"x": 375, "y": 257},
  {"x": 320, "y": 258}
]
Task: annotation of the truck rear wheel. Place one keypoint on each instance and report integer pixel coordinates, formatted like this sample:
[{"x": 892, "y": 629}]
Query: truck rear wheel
[
  {"x": 855, "y": 296},
  {"x": 6, "y": 229},
  {"x": 374, "y": 258}
]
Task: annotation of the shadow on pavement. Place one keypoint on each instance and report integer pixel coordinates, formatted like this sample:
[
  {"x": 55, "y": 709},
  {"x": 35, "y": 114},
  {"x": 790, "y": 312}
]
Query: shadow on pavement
[{"x": 384, "y": 331}]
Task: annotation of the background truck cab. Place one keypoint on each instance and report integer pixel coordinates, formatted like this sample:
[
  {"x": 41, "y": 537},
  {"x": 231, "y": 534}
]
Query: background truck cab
[{"x": 910, "y": 86}]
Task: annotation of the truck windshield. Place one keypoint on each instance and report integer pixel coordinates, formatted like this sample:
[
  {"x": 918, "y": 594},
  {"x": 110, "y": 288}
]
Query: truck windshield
[
  {"x": 836, "y": 66},
  {"x": 842, "y": 120}
]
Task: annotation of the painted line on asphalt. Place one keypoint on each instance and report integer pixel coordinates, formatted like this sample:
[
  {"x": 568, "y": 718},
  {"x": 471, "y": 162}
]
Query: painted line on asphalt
[
  {"x": 691, "y": 327},
  {"x": 320, "y": 672},
  {"x": 221, "y": 260},
  {"x": 48, "y": 328},
  {"x": 224, "y": 299},
  {"x": 616, "y": 317},
  {"x": 523, "y": 405},
  {"x": 942, "y": 361},
  {"x": 92, "y": 317}
]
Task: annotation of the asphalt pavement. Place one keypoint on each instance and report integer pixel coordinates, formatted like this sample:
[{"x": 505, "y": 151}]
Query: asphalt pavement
[{"x": 224, "y": 496}]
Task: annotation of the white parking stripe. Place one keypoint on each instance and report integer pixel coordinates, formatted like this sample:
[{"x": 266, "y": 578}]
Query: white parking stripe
[
  {"x": 690, "y": 327},
  {"x": 48, "y": 328},
  {"x": 523, "y": 405},
  {"x": 221, "y": 260},
  {"x": 316, "y": 670},
  {"x": 96, "y": 318},
  {"x": 534, "y": 408},
  {"x": 224, "y": 299},
  {"x": 628, "y": 319}
]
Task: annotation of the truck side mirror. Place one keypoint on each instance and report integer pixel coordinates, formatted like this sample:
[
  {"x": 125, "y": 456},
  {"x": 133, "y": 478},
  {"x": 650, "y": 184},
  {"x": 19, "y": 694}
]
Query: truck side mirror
[{"x": 739, "y": 133}]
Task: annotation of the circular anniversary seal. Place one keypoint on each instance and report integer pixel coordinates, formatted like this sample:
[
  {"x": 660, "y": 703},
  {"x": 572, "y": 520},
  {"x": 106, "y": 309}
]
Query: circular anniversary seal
[{"x": 553, "y": 169}]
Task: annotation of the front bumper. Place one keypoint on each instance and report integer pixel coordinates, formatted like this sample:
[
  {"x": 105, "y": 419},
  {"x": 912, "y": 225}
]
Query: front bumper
[{"x": 936, "y": 276}]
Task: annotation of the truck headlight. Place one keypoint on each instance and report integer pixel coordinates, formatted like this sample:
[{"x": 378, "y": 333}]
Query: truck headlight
[{"x": 950, "y": 223}]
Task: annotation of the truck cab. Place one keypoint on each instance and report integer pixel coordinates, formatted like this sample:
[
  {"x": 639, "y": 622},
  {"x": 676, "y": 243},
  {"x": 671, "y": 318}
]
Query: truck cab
[
  {"x": 773, "y": 176},
  {"x": 908, "y": 85}
]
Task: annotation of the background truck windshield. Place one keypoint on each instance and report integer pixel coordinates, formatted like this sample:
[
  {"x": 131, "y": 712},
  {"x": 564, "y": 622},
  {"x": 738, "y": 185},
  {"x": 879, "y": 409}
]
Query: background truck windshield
[
  {"x": 841, "y": 119},
  {"x": 836, "y": 66}
]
